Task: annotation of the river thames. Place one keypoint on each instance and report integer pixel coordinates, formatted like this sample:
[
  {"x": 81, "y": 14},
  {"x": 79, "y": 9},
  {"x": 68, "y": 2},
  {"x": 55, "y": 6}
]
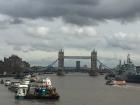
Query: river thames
[{"x": 80, "y": 89}]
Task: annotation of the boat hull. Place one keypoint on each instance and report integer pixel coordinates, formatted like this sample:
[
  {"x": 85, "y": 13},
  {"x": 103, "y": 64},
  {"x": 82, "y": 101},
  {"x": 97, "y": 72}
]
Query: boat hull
[
  {"x": 133, "y": 78},
  {"x": 56, "y": 97},
  {"x": 19, "y": 97}
]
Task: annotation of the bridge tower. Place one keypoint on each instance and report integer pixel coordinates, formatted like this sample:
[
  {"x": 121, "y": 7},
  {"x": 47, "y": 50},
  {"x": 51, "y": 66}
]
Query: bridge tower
[
  {"x": 93, "y": 71},
  {"x": 60, "y": 71}
]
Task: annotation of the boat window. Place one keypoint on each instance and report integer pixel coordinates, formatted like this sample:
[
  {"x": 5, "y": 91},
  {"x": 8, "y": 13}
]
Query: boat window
[{"x": 24, "y": 91}]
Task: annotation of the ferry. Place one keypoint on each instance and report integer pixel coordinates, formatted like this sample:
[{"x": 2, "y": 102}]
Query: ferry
[{"x": 7, "y": 83}]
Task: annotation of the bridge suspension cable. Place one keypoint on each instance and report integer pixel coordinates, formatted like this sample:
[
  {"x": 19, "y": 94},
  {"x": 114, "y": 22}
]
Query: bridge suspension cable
[
  {"x": 110, "y": 69},
  {"x": 52, "y": 63}
]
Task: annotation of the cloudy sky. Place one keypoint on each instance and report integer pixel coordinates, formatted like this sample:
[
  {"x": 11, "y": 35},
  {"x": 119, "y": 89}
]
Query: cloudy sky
[{"x": 36, "y": 29}]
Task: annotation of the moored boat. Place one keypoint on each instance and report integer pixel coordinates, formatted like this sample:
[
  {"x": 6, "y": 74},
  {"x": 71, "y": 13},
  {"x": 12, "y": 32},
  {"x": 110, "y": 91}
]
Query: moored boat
[
  {"x": 21, "y": 92},
  {"x": 33, "y": 78},
  {"x": 7, "y": 82},
  {"x": 14, "y": 86},
  {"x": 25, "y": 81},
  {"x": 128, "y": 71}
]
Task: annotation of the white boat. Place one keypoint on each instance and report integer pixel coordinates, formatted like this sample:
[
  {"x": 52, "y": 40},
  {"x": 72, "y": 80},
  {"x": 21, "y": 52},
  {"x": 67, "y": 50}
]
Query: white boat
[
  {"x": 25, "y": 81},
  {"x": 22, "y": 91},
  {"x": 34, "y": 78},
  {"x": 14, "y": 86},
  {"x": 46, "y": 82},
  {"x": 27, "y": 76},
  {"x": 7, "y": 83},
  {"x": 116, "y": 82}
]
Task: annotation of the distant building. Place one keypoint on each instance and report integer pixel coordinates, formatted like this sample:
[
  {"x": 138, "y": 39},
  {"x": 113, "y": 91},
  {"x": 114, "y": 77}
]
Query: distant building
[
  {"x": 1, "y": 67},
  {"x": 13, "y": 64}
]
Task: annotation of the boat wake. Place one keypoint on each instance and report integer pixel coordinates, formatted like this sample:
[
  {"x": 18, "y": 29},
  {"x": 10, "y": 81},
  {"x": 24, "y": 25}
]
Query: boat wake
[{"x": 127, "y": 86}]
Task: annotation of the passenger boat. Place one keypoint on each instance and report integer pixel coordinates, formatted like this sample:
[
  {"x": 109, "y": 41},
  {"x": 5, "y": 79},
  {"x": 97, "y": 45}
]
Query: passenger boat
[
  {"x": 33, "y": 78},
  {"x": 25, "y": 81},
  {"x": 21, "y": 92},
  {"x": 7, "y": 82},
  {"x": 18, "y": 84},
  {"x": 14, "y": 86},
  {"x": 27, "y": 76},
  {"x": 116, "y": 82}
]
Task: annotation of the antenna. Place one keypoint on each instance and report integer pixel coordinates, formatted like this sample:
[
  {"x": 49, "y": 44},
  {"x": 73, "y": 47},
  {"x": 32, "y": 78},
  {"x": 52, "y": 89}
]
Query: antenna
[{"x": 128, "y": 58}]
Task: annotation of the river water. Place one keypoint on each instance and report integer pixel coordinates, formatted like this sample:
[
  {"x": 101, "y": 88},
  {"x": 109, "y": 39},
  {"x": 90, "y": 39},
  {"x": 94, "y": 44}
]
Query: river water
[{"x": 80, "y": 89}]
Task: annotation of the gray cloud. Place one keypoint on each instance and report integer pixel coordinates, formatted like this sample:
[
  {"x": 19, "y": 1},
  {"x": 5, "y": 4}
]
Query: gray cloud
[
  {"x": 6, "y": 21},
  {"x": 81, "y": 12},
  {"x": 40, "y": 35},
  {"x": 125, "y": 41},
  {"x": 16, "y": 21},
  {"x": 48, "y": 36}
]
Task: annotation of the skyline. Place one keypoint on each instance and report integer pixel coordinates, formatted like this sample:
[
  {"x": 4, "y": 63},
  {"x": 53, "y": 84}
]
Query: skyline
[{"x": 36, "y": 30}]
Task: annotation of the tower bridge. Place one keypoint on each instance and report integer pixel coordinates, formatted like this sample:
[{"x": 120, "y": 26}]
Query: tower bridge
[
  {"x": 92, "y": 70},
  {"x": 93, "y": 58}
]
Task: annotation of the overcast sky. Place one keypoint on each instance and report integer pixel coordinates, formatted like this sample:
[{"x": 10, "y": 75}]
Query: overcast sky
[{"x": 36, "y": 29}]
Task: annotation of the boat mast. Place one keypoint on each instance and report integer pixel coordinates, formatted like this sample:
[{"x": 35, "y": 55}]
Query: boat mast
[{"x": 128, "y": 59}]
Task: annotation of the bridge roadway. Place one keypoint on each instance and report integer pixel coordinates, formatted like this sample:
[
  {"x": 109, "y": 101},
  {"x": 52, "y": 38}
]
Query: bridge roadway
[{"x": 77, "y": 57}]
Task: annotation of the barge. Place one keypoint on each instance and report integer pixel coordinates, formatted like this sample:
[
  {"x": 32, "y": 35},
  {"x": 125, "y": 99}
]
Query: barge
[{"x": 39, "y": 90}]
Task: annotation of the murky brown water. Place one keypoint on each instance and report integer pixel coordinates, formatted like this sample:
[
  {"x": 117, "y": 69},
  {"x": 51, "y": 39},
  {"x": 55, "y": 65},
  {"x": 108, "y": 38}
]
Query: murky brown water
[{"x": 81, "y": 89}]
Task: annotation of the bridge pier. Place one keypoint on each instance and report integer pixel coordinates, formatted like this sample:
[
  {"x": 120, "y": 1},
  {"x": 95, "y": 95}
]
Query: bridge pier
[
  {"x": 60, "y": 71},
  {"x": 93, "y": 71}
]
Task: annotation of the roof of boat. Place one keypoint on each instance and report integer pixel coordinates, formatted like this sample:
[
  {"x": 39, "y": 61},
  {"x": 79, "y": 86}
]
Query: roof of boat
[{"x": 23, "y": 86}]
